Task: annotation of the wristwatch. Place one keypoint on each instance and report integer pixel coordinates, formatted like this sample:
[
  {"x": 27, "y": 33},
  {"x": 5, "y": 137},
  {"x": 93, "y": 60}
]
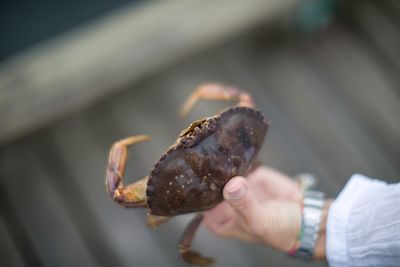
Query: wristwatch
[{"x": 313, "y": 202}]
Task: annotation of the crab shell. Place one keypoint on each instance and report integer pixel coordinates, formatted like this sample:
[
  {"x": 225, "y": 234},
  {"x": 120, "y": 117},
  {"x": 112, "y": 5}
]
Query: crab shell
[{"x": 190, "y": 175}]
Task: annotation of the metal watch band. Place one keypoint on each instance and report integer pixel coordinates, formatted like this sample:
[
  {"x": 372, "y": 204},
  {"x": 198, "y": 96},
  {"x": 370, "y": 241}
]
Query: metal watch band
[{"x": 313, "y": 202}]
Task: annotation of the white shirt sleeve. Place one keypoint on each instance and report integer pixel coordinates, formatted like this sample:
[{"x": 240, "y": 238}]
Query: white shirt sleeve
[{"x": 363, "y": 227}]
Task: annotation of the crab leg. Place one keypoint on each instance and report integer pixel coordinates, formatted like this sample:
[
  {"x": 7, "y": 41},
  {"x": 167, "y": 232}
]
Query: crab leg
[
  {"x": 215, "y": 91},
  {"x": 154, "y": 221},
  {"x": 187, "y": 254},
  {"x": 133, "y": 195}
]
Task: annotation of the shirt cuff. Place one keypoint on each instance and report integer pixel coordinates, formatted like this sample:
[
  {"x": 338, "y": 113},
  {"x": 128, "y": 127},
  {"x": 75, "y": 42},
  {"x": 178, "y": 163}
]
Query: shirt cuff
[{"x": 339, "y": 212}]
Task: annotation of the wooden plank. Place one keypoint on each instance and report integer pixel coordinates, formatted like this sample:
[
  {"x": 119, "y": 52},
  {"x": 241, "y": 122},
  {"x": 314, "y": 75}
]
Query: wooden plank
[
  {"x": 69, "y": 72},
  {"x": 74, "y": 199},
  {"x": 369, "y": 157},
  {"x": 391, "y": 9},
  {"x": 315, "y": 115},
  {"x": 364, "y": 88},
  {"x": 125, "y": 230},
  {"x": 38, "y": 208},
  {"x": 10, "y": 255},
  {"x": 380, "y": 33},
  {"x": 15, "y": 247}
]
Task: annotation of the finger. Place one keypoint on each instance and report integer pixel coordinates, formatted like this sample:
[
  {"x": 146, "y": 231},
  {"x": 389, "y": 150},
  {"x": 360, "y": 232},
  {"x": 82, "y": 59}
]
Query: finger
[
  {"x": 227, "y": 225},
  {"x": 238, "y": 195},
  {"x": 219, "y": 215}
]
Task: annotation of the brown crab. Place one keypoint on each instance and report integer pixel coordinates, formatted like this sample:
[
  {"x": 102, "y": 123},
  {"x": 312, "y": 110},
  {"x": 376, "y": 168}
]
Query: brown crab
[{"x": 190, "y": 175}]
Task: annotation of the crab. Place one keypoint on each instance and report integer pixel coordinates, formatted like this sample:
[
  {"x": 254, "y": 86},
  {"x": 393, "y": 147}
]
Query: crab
[{"x": 190, "y": 175}]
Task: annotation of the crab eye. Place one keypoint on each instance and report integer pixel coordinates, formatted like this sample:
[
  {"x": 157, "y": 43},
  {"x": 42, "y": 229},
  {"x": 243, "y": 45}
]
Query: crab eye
[{"x": 188, "y": 141}]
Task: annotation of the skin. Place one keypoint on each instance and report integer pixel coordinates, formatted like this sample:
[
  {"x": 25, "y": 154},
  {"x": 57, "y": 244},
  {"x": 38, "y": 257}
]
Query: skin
[{"x": 264, "y": 208}]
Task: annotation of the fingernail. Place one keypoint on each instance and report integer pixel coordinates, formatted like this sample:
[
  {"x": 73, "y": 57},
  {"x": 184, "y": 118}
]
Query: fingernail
[{"x": 235, "y": 190}]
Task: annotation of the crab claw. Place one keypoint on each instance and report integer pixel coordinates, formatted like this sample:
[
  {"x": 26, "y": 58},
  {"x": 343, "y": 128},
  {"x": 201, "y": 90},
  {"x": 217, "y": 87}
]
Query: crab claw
[{"x": 133, "y": 195}]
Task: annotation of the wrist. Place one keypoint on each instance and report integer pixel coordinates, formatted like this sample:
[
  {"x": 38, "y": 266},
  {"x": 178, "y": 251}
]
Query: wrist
[
  {"x": 319, "y": 250},
  {"x": 310, "y": 242}
]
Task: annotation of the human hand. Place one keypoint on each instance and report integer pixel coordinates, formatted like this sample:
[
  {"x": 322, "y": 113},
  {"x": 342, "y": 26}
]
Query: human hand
[{"x": 265, "y": 208}]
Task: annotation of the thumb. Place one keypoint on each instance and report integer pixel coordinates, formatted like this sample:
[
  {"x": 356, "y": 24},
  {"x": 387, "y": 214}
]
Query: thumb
[{"x": 237, "y": 193}]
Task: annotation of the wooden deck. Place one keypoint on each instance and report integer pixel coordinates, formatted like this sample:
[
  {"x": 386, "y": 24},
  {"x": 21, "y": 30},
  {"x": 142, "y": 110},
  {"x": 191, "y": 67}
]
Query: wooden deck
[{"x": 333, "y": 100}]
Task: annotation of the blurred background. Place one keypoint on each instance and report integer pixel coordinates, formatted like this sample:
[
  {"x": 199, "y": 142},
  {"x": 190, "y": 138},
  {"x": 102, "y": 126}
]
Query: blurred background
[{"x": 75, "y": 76}]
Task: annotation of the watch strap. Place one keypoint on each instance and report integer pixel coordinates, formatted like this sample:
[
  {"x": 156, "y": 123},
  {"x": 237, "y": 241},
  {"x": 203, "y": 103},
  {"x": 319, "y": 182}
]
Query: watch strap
[{"x": 313, "y": 203}]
